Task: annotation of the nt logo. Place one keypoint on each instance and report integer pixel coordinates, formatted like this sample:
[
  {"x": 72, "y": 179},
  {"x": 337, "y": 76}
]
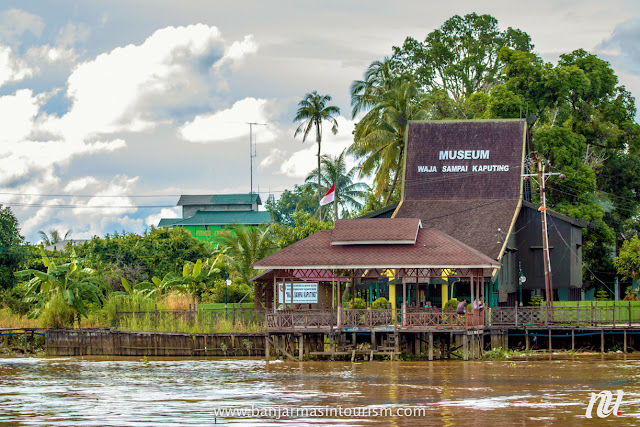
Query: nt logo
[{"x": 604, "y": 405}]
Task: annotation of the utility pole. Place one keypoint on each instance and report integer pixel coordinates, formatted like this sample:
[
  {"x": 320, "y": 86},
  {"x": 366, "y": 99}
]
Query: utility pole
[
  {"x": 542, "y": 178},
  {"x": 252, "y": 154}
]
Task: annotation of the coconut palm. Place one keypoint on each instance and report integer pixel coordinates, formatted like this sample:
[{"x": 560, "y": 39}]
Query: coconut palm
[
  {"x": 347, "y": 193},
  {"x": 379, "y": 136},
  {"x": 378, "y": 79},
  {"x": 313, "y": 110},
  {"x": 244, "y": 246},
  {"x": 53, "y": 237}
]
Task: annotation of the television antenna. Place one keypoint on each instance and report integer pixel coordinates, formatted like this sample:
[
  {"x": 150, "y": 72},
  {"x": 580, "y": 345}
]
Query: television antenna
[{"x": 252, "y": 153}]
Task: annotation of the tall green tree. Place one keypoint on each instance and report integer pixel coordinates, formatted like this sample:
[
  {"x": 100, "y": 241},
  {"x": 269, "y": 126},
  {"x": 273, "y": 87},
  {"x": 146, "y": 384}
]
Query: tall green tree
[
  {"x": 379, "y": 136},
  {"x": 303, "y": 197},
  {"x": 11, "y": 255},
  {"x": 586, "y": 130},
  {"x": 461, "y": 57},
  {"x": 348, "y": 194},
  {"x": 305, "y": 225},
  {"x": 313, "y": 111}
]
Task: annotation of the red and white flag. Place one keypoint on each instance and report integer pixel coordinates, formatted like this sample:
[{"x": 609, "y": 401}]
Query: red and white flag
[{"x": 330, "y": 196}]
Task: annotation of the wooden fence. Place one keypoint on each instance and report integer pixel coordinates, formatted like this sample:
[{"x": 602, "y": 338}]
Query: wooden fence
[
  {"x": 371, "y": 318},
  {"x": 110, "y": 342},
  {"x": 620, "y": 314}
]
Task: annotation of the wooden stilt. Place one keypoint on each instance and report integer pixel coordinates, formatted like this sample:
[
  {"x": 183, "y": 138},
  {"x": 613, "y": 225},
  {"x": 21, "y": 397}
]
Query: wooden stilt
[
  {"x": 527, "y": 342},
  {"x": 602, "y": 341},
  {"x": 465, "y": 347},
  {"x": 550, "y": 350},
  {"x": 573, "y": 340},
  {"x": 397, "y": 345},
  {"x": 625, "y": 340},
  {"x": 301, "y": 348},
  {"x": 430, "y": 345},
  {"x": 267, "y": 353}
]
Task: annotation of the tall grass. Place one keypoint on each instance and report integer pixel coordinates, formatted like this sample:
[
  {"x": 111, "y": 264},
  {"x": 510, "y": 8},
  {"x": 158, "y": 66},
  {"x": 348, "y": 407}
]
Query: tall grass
[
  {"x": 165, "y": 322},
  {"x": 9, "y": 319}
]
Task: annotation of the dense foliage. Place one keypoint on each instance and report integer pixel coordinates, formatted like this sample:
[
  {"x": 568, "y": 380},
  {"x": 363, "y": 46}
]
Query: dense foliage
[
  {"x": 580, "y": 120},
  {"x": 11, "y": 255}
]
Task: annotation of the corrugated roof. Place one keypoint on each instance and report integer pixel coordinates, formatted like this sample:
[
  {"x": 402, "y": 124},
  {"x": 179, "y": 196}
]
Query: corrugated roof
[
  {"x": 481, "y": 224},
  {"x": 226, "y": 217},
  {"x": 433, "y": 249},
  {"x": 168, "y": 222},
  {"x": 187, "y": 199},
  {"x": 375, "y": 231},
  {"x": 219, "y": 199},
  {"x": 235, "y": 199}
]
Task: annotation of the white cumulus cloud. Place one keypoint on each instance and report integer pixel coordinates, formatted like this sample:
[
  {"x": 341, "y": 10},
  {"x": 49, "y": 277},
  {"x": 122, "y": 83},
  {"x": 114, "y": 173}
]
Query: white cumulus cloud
[
  {"x": 12, "y": 69},
  {"x": 300, "y": 163},
  {"x": 15, "y": 22},
  {"x": 154, "y": 219},
  {"x": 232, "y": 123}
]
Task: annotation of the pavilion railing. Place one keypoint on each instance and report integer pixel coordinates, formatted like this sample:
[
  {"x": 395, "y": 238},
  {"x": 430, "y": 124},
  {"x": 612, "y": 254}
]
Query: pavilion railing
[
  {"x": 290, "y": 319},
  {"x": 367, "y": 317},
  {"x": 620, "y": 313}
]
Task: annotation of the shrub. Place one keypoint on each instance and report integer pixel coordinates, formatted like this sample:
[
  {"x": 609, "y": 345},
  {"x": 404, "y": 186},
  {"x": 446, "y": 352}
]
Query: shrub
[
  {"x": 536, "y": 301},
  {"x": 631, "y": 294},
  {"x": 57, "y": 313},
  {"x": 452, "y": 304},
  {"x": 235, "y": 292},
  {"x": 602, "y": 295},
  {"x": 381, "y": 302},
  {"x": 359, "y": 304}
]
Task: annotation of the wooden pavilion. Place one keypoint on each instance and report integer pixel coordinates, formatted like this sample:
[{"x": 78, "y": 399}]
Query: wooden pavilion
[{"x": 358, "y": 249}]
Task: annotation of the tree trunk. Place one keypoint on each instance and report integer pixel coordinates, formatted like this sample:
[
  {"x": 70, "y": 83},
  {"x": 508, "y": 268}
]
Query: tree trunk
[
  {"x": 319, "y": 188},
  {"x": 335, "y": 202},
  {"x": 395, "y": 178}
]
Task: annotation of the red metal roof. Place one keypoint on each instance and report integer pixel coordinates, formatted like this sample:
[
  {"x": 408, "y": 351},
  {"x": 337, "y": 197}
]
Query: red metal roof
[
  {"x": 432, "y": 249},
  {"x": 375, "y": 231}
]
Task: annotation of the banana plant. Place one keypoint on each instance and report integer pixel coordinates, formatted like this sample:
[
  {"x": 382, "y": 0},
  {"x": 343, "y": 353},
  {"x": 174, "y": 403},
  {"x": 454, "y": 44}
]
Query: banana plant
[
  {"x": 196, "y": 277},
  {"x": 78, "y": 286}
]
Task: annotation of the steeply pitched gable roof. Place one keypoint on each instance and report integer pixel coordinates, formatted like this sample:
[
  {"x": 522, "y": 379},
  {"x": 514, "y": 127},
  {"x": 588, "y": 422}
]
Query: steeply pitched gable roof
[{"x": 432, "y": 249}]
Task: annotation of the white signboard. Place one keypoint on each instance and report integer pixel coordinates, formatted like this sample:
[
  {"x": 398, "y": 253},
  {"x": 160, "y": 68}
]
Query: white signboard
[{"x": 303, "y": 293}]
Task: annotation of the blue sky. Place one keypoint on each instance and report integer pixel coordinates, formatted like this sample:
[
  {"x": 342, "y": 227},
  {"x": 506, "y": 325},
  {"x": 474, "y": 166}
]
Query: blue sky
[{"x": 110, "y": 107}]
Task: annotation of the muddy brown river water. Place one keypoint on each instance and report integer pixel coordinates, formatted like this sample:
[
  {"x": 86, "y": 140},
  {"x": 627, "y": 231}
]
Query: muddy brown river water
[{"x": 94, "y": 391}]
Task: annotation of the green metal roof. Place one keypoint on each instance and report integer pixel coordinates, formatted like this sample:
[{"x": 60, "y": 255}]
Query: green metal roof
[
  {"x": 223, "y": 218},
  {"x": 219, "y": 199},
  {"x": 235, "y": 199},
  {"x": 168, "y": 222}
]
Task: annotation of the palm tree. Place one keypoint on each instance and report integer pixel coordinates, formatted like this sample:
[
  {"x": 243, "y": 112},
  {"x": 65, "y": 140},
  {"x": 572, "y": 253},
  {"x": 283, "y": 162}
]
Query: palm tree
[
  {"x": 244, "y": 246},
  {"x": 347, "y": 193},
  {"x": 313, "y": 110},
  {"x": 53, "y": 237},
  {"x": 378, "y": 79},
  {"x": 379, "y": 136}
]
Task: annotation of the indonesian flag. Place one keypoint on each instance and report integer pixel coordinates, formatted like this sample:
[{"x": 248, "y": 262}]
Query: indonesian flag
[{"x": 330, "y": 196}]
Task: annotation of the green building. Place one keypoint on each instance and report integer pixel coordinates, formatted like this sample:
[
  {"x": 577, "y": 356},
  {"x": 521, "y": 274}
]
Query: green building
[{"x": 208, "y": 217}]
